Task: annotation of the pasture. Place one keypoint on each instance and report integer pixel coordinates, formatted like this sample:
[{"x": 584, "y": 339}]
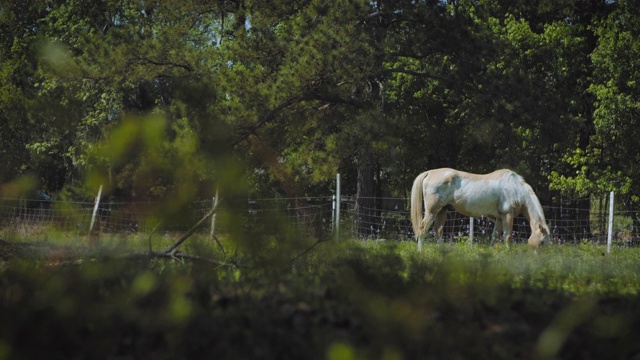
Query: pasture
[{"x": 77, "y": 297}]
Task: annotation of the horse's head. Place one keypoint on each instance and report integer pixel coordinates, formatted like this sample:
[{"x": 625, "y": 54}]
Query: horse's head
[{"x": 540, "y": 236}]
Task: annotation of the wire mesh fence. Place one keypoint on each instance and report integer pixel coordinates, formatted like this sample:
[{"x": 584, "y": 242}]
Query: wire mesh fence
[
  {"x": 567, "y": 224},
  {"x": 314, "y": 213},
  {"x": 389, "y": 219}
]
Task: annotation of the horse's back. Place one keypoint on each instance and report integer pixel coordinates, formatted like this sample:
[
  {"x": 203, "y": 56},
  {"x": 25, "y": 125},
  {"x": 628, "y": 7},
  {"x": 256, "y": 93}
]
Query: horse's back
[
  {"x": 449, "y": 173},
  {"x": 474, "y": 194}
]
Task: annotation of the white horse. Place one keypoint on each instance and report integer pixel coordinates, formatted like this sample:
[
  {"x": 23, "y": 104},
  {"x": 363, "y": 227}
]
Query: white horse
[{"x": 501, "y": 195}]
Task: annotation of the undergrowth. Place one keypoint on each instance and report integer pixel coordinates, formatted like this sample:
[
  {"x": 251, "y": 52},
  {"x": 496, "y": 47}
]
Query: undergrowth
[{"x": 341, "y": 300}]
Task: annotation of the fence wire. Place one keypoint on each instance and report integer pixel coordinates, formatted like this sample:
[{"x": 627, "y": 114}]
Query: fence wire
[
  {"x": 390, "y": 219},
  {"x": 567, "y": 225}
]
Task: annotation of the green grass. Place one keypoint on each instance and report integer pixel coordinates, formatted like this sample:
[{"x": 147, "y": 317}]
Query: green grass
[
  {"x": 574, "y": 269},
  {"x": 342, "y": 300}
]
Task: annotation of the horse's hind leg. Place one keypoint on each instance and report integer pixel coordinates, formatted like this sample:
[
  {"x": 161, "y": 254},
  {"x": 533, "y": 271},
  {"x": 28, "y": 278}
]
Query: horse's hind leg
[
  {"x": 432, "y": 207},
  {"x": 441, "y": 217},
  {"x": 424, "y": 228},
  {"x": 430, "y": 217}
]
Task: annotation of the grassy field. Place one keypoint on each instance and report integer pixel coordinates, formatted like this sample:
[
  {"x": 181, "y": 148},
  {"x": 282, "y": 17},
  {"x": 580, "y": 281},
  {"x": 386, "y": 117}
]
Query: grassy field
[{"x": 70, "y": 296}]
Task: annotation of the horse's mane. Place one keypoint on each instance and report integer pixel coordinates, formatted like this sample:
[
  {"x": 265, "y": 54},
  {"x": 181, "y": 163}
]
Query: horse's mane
[{"x": 521, "y": 192}]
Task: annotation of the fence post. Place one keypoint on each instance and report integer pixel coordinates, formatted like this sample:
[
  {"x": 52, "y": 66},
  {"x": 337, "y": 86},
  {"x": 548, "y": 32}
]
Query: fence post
[
  {"x": 610, "y": 230},
  {"x": 337, "y": 211},
  {"x": 95, "y": 209},
  {"x": 333, "y": 213},
  {"x": 471, "y": 231},
  {"x": 213, "y": 217}
]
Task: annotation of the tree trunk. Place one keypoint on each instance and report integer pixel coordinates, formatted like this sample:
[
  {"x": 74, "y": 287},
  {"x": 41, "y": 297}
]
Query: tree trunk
[{"x": 366, "y": 213}]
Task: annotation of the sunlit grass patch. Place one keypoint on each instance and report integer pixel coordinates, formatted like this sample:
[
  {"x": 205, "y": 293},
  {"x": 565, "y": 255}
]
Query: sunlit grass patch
[{"x": 574, "y": 269}]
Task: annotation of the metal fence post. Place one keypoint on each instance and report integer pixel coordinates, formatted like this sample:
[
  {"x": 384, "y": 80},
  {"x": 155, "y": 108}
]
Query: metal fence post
[
  {"x": 337, "y": 213},
  {"x": 333, "y": 213},
  {"x": 610, "y": 231},
  {"x": 470, "y": 231},
  {"x": 95, "y": 210}
]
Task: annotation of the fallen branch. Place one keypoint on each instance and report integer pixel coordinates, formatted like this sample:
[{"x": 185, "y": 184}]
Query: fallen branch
[
  {"x": 140, "y": 256},
  {"x": 305, "y": 252},
  {"x": 180, "y": 256},
  {"x": 192, "y": 230}
]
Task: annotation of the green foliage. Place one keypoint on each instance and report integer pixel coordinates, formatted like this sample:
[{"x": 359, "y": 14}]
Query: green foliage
[
  {"x": 168, "y": 101},
  {"x": 303, "y": 89},
  {"x": 590, "y": 178},
  {"x": 352, "y": 299},
  {"x": 84, "y": 65},
  {"x": 616, "y": 111},
  {"x": 158, "y": 161}
]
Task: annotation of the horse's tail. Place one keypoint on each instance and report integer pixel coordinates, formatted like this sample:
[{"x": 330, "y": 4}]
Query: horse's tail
[{"x": 416, "y": 203}]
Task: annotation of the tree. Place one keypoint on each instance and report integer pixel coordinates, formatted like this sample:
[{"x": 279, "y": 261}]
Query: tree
[
  {"x": 608, "y": 160},
  {"x": 19, "y": 126},
  {"x": 315, "y": 81},
  {"x": 379, "y": 91},
  {"x": 103, "y": 60},
  {"x": 544, "y": 106},
  {"x": 300, "y": 80}
]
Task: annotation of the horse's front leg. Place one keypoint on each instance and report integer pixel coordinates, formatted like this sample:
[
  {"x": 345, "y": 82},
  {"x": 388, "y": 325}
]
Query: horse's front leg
[{"x": 507, "y": 222}]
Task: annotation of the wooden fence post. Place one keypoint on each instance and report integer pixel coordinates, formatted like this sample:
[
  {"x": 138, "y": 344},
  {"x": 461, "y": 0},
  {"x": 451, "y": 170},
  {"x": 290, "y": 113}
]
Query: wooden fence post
[{"x": 95, "y": 210}]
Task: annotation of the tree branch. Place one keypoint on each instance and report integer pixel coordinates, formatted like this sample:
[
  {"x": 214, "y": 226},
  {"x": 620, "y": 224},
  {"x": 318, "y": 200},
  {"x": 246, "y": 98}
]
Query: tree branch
[
  {"x": 192, "y": 230},
  {"x": 142, "y": 256},
  {"x": 164, "y": 255},
  {"x": 305, "y": 252},
  {"x": 271, "y": 115},
  {"x": 413, "y": 73},
  {"x": 184, "y": 66},
  {"x": 409, "y": 55}
]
